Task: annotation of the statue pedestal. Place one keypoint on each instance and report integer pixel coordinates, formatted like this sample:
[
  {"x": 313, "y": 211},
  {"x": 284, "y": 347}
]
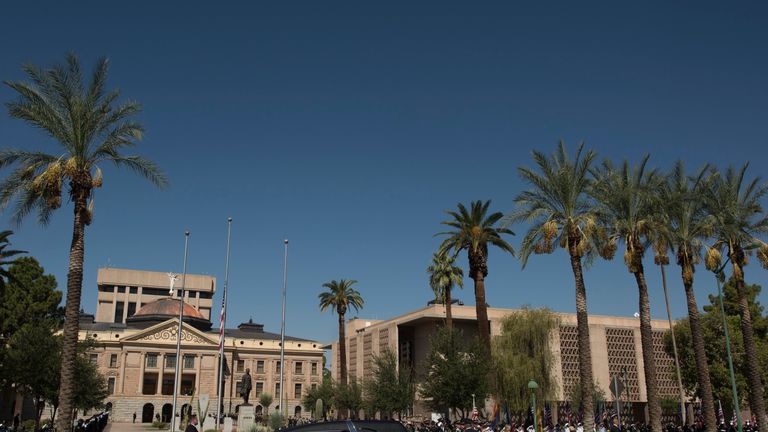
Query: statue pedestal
[
  {"x": 227, "y": 424},
  {"x": 246, "y": 416}
]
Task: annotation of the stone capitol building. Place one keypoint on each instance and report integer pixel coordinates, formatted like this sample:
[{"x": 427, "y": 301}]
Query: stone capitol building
[{"x": 135, "y": 329}]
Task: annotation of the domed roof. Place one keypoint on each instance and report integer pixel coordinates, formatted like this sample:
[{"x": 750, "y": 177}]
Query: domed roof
[
  {"x": 163, "y": 309},
  {"x": 168, "y": 307}
]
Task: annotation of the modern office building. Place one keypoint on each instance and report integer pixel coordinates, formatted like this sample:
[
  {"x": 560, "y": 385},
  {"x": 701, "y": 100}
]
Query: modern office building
[
  {"x": 615, "y": 343},
  {"x": 135, "y": 329}
]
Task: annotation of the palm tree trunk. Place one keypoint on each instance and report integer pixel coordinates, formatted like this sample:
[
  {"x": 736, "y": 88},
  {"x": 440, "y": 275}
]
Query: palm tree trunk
[
  {"x": 483, "y": 329},
  {"x": 448, "y": 315},
  {"x": 585, "y": 350},
  {"x": 649, "y": 364},
  {"x": 71, "y": 314},
  {"x": 756, "y": 402},
  {"x": 342, "y": 352},
  {"x": 702, "y": 368}
]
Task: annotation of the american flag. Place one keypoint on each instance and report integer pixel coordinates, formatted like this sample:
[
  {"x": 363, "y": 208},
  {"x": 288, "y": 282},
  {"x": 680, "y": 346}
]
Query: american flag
[
  {"x": 720, "y": 413},
  {"x": 221, "y": 319}
]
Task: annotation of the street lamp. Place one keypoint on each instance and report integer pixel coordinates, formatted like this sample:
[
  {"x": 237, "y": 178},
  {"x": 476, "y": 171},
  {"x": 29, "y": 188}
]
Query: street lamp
[{"x": 532, "y": 386}]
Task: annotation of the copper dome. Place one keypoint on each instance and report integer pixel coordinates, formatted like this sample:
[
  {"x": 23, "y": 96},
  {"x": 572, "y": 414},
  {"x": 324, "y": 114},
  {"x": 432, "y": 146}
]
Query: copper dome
[
  {"x": 168, "y": 307},
  {"x": 165, "y": 308}
]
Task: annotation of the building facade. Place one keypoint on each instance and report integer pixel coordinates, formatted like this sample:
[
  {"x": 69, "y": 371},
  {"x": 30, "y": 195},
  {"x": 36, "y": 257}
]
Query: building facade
[
  {"x": 136, "y": 352},
  {"x": 615, "y": 343}
]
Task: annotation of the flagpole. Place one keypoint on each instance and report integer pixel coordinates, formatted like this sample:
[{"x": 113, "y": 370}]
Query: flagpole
[
  {"x": 177, "y": 377},
  {"x": 222, "y": 324},
  {"x": 282, "y": 332}
]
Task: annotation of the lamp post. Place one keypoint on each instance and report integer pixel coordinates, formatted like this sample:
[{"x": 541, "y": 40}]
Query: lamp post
[
  {"x": 177, "y": 376},
  {"x": 718, "y": 275},
  {"x": 532, "y": 386},
  {"x": 222, "y": 324}
]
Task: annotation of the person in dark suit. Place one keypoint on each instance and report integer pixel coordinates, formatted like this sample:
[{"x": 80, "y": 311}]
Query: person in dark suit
[{"x": 192, "y": 426}]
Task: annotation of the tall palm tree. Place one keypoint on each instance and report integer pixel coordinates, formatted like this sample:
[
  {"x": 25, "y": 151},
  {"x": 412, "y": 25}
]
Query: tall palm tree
[
  {"x": 685, "y": 227},
  {"x": 560, "y": 212},
  {"x": 90, "y": 129},
  {"x": 739, "y": 219},
  {"x": 473, "y": 230},
  {"x": 339, "y": 298},
  {"x": 627, "y": 201},
  {"x": 443, "y": 275}
]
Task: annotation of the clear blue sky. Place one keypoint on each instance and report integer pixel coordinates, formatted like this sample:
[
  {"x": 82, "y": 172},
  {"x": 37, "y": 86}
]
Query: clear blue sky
[{"x": 348, "y": 127}]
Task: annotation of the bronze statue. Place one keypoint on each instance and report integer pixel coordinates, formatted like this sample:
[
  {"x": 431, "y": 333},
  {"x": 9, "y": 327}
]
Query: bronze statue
[{"x": 245, "y": 390}]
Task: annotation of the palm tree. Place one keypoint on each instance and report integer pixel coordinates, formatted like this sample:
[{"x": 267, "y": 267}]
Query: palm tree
[
  {"x": 90, "y": 128},
  {"x": 627, "y": 211},
  {"x": 443, "y": 275},
  {"x": 473, "y": 231},
  {"x": 339, "y": 298},
  {"x": 686, "y": 226},
  {"x": 5, "y": 257},
  {"x": 734, "y": 203},
  {"x": 560, "y": 212}
]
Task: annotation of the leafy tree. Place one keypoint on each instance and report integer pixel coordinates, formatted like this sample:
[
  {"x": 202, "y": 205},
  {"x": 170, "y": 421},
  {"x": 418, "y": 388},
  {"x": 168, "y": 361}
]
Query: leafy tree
[
  {"x": 521, "y": 353},
  {"x": 628, "y": 206},
  {"x": 456, "y": 368},
  {"x": 324, "y": 392},
  {"x": 686, "y": 225},
  {"x": 349, "y": 397},
  {"x": 473, "y": 230},
  {"x": 443, "y": 275},
  {"x": 91, "y": 129},
  {"x": 31, "y": 363},
  {"x": 739, "y": 220},
  {"x": 391, "y": 388},
  {"x": 30, "y": 297},
  {"x": 713, "y": 337},
  {"x": 562, "y": 214},
  {"x": 339, "y": 298}
]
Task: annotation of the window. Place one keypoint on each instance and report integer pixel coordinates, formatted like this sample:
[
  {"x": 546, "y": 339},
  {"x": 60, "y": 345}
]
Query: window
[
  {"x": 113, "y": 360},
  {"x": 277, "y": 367},
  {"x": 131, "y": 308},
  {"x": 314, "y": 368},
  {"x": 298, "y": 368},
  {"x": 170, "y": 361},
  {"x": 314, "y": 386},
  {"x": 240, "y": 365},
  {"x": 189, "y": 362},
  {"x": 154, "y": 292},
  {"x": 149, "y": 386},
  {"x": 260, "y": 366},
  {"x": 94, "y": 359},
  {"x": 193, "y": 294},
  {"x": 121, "y": 290},
  {"x": 206, "y": 295},
  {"x": 297, "y": 391},
  {"x": 238, "y": 387},
  {"x": 187, "y": 384},
  {"x": 167, "y": 387},
  {"x": 259, "y": 388},
  {"x": 119, "y": 307},
  {"x": 134, "y": 290},
  {"x": 151, "y": 362},
  {"x": 277, "y": 389},
  {"x": 111, "y": 386}
]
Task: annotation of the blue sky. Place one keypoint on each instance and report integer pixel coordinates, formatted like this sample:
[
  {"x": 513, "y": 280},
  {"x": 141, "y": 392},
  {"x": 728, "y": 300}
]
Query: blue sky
[{"x": 348, "y": 127}]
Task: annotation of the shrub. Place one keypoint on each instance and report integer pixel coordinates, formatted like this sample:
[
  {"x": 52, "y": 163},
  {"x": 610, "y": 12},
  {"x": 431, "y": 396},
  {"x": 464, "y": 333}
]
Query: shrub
[
  {"x": 160, "y": 425},
  {"x": 276, "y": 421},
  {"x": 28, "y": 425}
]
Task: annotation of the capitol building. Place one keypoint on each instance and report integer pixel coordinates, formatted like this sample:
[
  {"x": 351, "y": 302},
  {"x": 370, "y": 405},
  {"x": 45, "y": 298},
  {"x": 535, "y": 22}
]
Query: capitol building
[{"x": 135, "y": 328}]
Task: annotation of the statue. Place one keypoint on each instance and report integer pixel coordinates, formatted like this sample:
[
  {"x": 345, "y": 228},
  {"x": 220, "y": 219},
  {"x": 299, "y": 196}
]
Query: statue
[{"x": 245, "y": 390}]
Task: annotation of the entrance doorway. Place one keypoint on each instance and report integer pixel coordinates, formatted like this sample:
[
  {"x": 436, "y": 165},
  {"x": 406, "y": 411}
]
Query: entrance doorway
[
  {"x": 147, "y": 412},
  {"x": 167, "y": 408}
]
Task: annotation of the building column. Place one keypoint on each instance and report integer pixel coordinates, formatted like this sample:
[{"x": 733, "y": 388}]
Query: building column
[
  {"x": 126, "y": 298},
  {"x": 142, "y": 365},
  {"x": 138, "y": 299},
  {"x": 198, "y": 369},
  {"x": 120, "y": 385},
  {"x": 114, "y": 303},
  {"x": 160, "y": 374}
]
